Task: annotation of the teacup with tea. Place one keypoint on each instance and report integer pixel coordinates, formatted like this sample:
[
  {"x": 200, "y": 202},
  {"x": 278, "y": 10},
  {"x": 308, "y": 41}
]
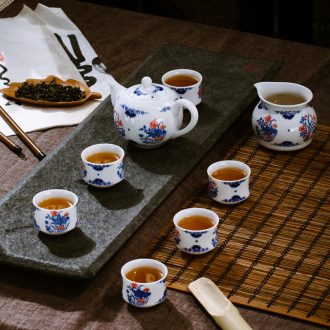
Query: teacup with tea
[
  {"x": 229, "y": 181},
  {"x": 196, "y": 230},
  {"x": 103, "y": 165},
  {"x": 55, "y": 211},
  {"x": 144, "y": 282},
  {"x": 186, "y": 83}
]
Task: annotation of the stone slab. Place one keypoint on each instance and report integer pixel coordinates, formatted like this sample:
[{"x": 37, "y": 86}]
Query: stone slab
[{"x": 108, "y": 217}]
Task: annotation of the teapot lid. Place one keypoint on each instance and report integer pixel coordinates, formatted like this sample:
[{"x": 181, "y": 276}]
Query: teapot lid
[{"x": 147, "y": 91}]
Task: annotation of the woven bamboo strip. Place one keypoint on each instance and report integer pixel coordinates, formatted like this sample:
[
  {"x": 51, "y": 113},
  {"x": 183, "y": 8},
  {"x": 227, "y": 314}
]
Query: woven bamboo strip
[{"x": 273, "y": 252}]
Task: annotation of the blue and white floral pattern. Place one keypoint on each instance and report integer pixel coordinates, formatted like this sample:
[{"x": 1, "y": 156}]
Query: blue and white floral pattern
[
  {"x": 262, "y": 105},
  {"x": 131, "y": 113},
  {"x": 56, "y": 221},
  {"x": 266, "y": 128},
  {"x": 212, "y": 189},
  {"x": 235, "y": 199},
  {"x": 195, "y": 234},
  {"x": 287, "y": 114},
  {"x": 167, "y": 108},
  {"x": 98, "y": 167},
  {"x": 121, "y": 171},
  {"x": 156, "y": 89},
  {"x": 182, "y": 90},
  {"x": 234, "y": 184},
  {"x": 99, "y": 182},
  {"x": 307, "y": 127},
  {"x": 155, "y": 133},
  {"x": 196, "y": 249},
  {"x": 138, "y": 295}
]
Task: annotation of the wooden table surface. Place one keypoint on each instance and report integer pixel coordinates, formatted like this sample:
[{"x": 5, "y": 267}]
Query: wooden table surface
[{"x": 123, "y": 40}]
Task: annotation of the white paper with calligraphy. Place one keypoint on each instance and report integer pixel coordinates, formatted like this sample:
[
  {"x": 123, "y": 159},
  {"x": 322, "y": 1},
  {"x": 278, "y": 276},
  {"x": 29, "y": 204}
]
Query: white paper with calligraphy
[{"x": 36, "y": 44}]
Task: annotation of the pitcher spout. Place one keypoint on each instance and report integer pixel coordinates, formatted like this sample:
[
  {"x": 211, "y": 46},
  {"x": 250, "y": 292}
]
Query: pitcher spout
[{"x": 115, "y": 89}]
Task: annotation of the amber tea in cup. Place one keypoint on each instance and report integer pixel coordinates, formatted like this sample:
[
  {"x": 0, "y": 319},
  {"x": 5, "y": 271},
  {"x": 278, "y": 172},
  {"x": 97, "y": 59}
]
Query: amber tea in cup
[
  {"x": 55, "y": 203},
  {"x": 285, "y": 98},
  {"x": 144, "y": 274},
  {"x": 196, "y": 222},
  {"x": 55, "y": 211},
  {"x": 196, "y": 230},
  {"x": 229, "y": 174},
  {"x": 103, "y": 165},
  {"x": 229, "y": 181},
  {"x": 186, "y": 83},
  {"x": 181, "y": 80},
  {"x": 144, "y": 282},
  {"x": 103, "y": 157}
]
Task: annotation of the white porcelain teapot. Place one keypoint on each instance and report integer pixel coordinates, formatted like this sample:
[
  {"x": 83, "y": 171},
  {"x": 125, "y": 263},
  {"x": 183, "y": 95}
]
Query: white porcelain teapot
[{"x": 149, "y": 114}]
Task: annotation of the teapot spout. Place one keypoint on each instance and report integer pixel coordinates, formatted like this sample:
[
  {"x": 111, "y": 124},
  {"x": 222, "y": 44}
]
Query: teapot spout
[
  {"x": 262, "y": 88},
  {"x": 115, "y": 89}
]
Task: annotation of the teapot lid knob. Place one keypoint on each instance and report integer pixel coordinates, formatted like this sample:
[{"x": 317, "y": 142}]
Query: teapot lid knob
[{"x": 147, "y": 84}]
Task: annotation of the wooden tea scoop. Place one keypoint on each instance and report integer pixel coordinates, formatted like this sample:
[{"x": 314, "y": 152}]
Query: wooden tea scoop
[{"x": 217, "y": 305}]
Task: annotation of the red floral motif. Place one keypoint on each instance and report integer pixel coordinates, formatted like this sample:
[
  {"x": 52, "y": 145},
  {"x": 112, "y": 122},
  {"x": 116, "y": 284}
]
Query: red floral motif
[
  {"x": 134, "y": 285},
  {"x": 53, "y": 213},
  {"x": 146, "y": 289},
  {"x": 153, "y": 124},
  {"x": 268, "y": 119},
  {"x": 200, "y": 92}
]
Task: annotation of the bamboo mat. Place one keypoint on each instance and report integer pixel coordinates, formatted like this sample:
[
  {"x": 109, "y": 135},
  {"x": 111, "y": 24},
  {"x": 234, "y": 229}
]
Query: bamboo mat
[{"x": 273, "y": 250}]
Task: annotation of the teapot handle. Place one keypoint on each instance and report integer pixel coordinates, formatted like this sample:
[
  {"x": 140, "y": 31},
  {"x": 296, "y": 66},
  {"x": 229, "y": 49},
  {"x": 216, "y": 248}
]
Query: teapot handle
[{"x": 193, "y": 112}]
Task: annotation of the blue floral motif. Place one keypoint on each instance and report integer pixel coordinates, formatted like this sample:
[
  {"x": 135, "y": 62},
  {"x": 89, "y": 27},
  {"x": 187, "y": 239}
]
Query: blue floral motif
[
  {"x": 287, "y": 144},
  {"x": 121, "y": 171},
  {"x": 266, "y": 128},
  {"x": 57, "y": 221},
  {"x": 164, "y": 295},
  {"x": 130, "y": 112},
  {"x": 137, "y": 295},
  {"x": 177, "y": 238},
  {"x": 234, "y": 184},
  {"x": 98, "y": 167},
  {"x": 84, "y": 172},
  {"x": 234, "y": 199},
  {"x": 182, "y": 90},
  {"x": 99, "y": 182},
  {"x": 138, "y": 92},
  {"x": 119, "y": 124},
  {"x": 214, "y": 242},
  {"x": 165, "y": 109},
  {"x": 212, "y": 189},
  {"x": 196, "y": 249},
  {"x": 288, "y": 114},
  {"x": 195, "y": 234},
  {"x": 157, "y": 88},
  {"x": 155, "y": 133},
  {"x": 262, "y": 105},
  {"x": 308, "y": 126},
  {"x": 35, "y": 224}
]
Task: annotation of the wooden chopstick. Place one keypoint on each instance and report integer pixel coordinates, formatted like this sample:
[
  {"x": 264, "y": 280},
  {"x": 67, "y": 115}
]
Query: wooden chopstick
[
  {"x": 20, "y": 133},
  {"x": 12, "y": 146}
]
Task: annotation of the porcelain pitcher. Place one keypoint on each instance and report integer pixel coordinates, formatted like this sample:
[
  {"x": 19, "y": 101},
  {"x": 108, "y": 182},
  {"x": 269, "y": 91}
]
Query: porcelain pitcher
[
  {"x": 150, "y": 114},
  {"x": 284, "y": 127}
]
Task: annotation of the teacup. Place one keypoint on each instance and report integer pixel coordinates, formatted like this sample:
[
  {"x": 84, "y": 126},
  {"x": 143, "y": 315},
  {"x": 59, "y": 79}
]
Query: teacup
[
  {"x": 229, "y": 181},
  {"x": 55, "y": 211},
  {"x": 192, "y": 240},
  {"x": 186, "y": 83},
  {"x": 144, "y": 294},
  {"x": 103, "y": 172}
]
